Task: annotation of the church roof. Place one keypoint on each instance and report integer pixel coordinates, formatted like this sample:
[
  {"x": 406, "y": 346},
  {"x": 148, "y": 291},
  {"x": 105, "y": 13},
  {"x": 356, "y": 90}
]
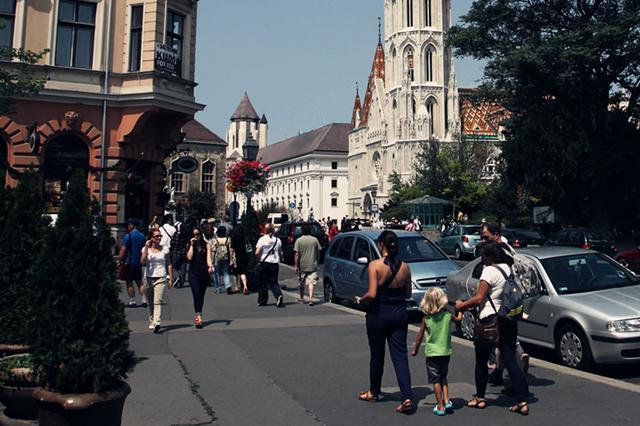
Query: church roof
[
  {"x": 263, "y": 120},
  {"x": 332, "y": 138},
  {"x": 480, "y": 118},
  {"x": 195, "y": 131},
  {"x": 377, "y": 71},
  {"x": 245, "y": 110},
  {"x": 357, "y": 109}
]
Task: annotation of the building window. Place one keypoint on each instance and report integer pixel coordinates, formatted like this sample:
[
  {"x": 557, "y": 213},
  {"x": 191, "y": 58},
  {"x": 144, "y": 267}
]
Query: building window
[
  {"x": 207, "y": 176},
  {"x": 334, "y": 165},
  {"x": 135, "y": 38},
  {"x": 295, "y": 186},
  {"x": 428, "y": 64},
  {"x": 308, "y": 184},
  {"x": 175, "y": 35},
  {"x": 428, "y": 17},
  {"x": 307, "y": 165},
  {"x": 334, "y": 183},
  {"x": 409, "y": 63},
  {"x": 7, "y": 19},
  {"x": 431, "y": 117},
  {"x": 334, "y": 202},
  {"x": 63, "y": 154},
  {"x": 177, "y": 180},
  {"x": 76, "y": 26},
  {"x": 409, "y": 13}
]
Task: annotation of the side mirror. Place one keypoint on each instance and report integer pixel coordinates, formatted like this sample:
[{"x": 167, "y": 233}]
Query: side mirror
[{"x": 362, "y": 261}]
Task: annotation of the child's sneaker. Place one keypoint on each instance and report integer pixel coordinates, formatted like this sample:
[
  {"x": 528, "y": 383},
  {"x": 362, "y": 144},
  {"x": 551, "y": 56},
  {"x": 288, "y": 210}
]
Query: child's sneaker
[
  {"x": 439, "y": 412},
  {"x": 448, "y": 407}
]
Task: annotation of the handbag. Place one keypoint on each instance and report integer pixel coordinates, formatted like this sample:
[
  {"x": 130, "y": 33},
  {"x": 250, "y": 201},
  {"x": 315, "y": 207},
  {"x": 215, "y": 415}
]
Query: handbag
[
  {"x": 247, "y": 246},
  {"x": 487, "y": 330}
]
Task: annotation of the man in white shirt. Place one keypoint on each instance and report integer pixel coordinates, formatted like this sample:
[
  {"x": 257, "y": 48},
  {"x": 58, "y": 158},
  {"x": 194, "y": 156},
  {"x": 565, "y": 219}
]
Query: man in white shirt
[{"x": 268, "y": 251}]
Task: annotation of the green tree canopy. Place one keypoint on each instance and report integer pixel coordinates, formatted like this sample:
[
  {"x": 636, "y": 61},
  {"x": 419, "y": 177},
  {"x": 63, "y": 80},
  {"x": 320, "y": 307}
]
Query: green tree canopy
[
  {"x": 17, "y": 78},
  {"x": 569, "y": 72}
]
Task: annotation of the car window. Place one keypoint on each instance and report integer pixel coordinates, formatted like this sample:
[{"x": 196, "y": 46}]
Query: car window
[
  {"x": 593, "y": 236},
  {"x": 362, "y": 249},
  {"x": 334, "y": 247},
  {"x": 418, "y": 249},
  {"x": 449, "y": 231},
  {"x": 586, "y": 272},
  {"x": 344, "y": 251},
  {"x": 472, "y": 230},
  {"x": 560, "y": 237},
  {"x": 529, "y": 234},
  {"x": 477, "y": 271}
]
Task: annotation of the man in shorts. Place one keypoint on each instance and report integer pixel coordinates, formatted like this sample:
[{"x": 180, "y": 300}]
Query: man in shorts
[{"x": 307, "y": 252}]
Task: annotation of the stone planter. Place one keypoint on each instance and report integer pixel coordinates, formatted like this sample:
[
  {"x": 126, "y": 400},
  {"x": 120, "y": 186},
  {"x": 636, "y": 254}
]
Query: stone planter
[
  {"x": 6, "y": 350},
  {"x": 16, "y": 393},
  {"x": 95, "y": 409}
]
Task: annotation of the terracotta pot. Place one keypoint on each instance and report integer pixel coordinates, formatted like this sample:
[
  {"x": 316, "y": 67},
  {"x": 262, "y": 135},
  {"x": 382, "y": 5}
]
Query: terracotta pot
[
  {"x": 6, "y": 350},
  {"x": 95, "y": 409}
]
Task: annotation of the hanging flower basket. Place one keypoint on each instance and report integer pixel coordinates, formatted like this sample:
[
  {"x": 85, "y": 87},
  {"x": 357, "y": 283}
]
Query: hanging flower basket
[{"x": 247, "y": 177}]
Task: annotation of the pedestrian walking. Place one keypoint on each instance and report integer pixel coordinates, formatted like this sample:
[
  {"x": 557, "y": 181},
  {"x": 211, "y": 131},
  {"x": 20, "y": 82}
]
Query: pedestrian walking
[
  {"x": 307, "y": 253},
  {"x": 167, "y": 231},
  {"x": 492, "y": 329},
  {"x": 333, "y": 230},
  {"x": 177, "y": 252},
  {"x": 129, "y": 268},
  {"x": 220, "y": 258},
  {"x": 437, "y": 324},
  {"x": 268, "y": 254},
  {"x": 387, "y": 319},
  {"x": 240, "y": 250},
  {"x": 157, "y": 268},
  {"x": 199, "y": 269}
]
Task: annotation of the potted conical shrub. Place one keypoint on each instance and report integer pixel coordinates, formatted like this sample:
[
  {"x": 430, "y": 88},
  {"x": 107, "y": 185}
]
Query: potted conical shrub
[
  {"x": 22, "y": 224},
  {"x": 80, "y": 342}
]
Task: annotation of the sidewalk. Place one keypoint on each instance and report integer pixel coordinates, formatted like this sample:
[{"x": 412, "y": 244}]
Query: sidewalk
[{"x": 304, "y": 365}]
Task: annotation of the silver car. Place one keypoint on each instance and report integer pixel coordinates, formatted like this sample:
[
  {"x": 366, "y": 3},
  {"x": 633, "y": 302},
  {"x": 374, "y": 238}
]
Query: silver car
[
  {"x": 460, "y": 240},
  {"x": 348, "y": 256},
  {"x": 588, "y": 311}
]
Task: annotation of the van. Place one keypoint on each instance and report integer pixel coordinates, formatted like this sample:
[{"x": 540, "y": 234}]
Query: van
[{"x": 277, "y": 219}]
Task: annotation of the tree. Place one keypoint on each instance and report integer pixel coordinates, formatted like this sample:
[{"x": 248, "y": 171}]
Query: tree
[
  {"x": 23, "y": 227},
  {"x": 201, "y": 204},
  {"x": 80, "y": 340},
  {"x": 18, "y": 79},
  {"x": 399, "y": 193},
  {"x": 569, "y": 72}
]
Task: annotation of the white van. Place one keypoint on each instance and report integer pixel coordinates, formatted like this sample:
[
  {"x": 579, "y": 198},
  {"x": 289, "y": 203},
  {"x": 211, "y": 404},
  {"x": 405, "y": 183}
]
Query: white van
[{"x": 277, "y": 219}]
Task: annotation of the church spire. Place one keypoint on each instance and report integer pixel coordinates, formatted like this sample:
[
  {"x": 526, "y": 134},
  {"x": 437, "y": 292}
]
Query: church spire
[
  {"x": 356, "y": 116},
  {"x": 377, "y": 71},
  {"x": 379, "y": 30}
]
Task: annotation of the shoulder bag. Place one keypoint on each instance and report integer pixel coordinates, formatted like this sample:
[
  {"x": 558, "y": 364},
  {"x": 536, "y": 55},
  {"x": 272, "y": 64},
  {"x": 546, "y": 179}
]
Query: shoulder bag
[
  {"x": 487, "y": 330},
  {"x": 260, "y": 264}
]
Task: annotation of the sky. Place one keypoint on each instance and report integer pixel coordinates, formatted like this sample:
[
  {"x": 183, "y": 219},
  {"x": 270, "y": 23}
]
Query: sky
[{"x": 298, "y": 60}]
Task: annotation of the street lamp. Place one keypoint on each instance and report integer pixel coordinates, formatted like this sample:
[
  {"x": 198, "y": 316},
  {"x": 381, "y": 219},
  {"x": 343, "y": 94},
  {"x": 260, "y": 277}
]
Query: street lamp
[{"x": 250, "y": 153}]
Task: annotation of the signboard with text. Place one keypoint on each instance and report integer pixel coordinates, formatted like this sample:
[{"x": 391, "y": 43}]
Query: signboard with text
[{"x": 167, "y": 59}]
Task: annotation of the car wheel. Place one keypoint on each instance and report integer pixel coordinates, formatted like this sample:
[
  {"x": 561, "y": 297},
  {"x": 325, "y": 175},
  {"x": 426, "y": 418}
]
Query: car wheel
[
  {"x": 466, "y": 326},
  {"x": 573, "y": 347},
  {"x": 330, "y": 292},
  {"x": 457, "y": 253}
]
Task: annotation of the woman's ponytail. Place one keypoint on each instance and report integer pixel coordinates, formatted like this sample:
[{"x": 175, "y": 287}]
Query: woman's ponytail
[{"x": 389, "y": 241}]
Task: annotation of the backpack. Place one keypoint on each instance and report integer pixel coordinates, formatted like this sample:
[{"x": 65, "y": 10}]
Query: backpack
[
  {"x": 525, "y": 273},
  {"x": 221, "y": 252},
  {"x": 512, "y": 307}
]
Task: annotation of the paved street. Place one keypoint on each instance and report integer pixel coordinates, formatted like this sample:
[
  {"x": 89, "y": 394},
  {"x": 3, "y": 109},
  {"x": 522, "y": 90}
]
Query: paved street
[{"x": 304, "y": 365}]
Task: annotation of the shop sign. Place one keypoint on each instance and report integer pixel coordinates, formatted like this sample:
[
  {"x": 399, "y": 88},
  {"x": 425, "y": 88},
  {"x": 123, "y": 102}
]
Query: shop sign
[{"x": 167, "y": 59}]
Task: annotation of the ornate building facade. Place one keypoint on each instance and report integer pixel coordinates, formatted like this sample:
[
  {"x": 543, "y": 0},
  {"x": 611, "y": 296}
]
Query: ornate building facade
[
  {"x": 119, "y": 87},
  {"x": 411, "y": 96}
]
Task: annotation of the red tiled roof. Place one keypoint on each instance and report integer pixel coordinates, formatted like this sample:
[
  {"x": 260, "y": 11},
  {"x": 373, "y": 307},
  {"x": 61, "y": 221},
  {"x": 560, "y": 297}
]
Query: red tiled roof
[
  {"x": 357, "y": 109},
  {"x": 245, "y": 110},
  {"x": 194, "y": 131},
  {"x": 479, "y": 117},
  {"x": 330, "y": 138},
  {"x": 377, "y": 71}
]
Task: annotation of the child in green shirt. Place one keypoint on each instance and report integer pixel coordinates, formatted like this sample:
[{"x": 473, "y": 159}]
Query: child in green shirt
[{"x": 437, "y": 323}]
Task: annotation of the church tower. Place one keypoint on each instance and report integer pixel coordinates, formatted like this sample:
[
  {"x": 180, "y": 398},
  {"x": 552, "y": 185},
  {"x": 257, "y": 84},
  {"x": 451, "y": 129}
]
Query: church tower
[
  {"x": 419, "y": 71},
  {"x": 245, "y": 124}
]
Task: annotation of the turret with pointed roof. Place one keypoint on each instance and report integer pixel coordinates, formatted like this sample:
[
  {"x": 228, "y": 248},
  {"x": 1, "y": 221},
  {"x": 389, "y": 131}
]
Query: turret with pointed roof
[
  {"x": 356, "y": 116},
  {"x": 377, "y": 71},
  {"x": 245, "y": 124},
  {"x": 245, "y": 110}
]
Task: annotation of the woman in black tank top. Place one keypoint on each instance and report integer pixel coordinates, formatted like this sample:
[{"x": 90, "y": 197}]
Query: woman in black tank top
[{"x": 387, "y": 320}]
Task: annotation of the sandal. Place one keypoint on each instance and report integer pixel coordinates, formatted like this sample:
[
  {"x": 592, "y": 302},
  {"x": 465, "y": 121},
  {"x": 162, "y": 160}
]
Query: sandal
[
  {"x": 367, "y": 396},
  {"x": 405, "y": 407},
  {"x": 198, "y": 321},
  {"x": 520, "y": 408},
  {"x": 478, "y": 403}
]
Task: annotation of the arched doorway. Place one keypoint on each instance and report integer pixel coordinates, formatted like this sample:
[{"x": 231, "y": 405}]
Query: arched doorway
[
  {"x": 366, "y": 204},
  {"x": 62, "y": 156}
]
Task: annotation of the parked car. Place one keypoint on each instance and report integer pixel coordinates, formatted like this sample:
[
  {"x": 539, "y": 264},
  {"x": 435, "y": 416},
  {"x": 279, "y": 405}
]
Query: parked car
[
  {"x": 521, "y": 238},
  {"x": 585, "y": 238},
  {"x": 588, "y": 310},
  {"x": 630, "y": 258},
  {"x": 277, "y": 219},
  {"x": 460, "y": 240},
  {"x": 346, "y": 262},
  {"x": 289, "y": 232}
]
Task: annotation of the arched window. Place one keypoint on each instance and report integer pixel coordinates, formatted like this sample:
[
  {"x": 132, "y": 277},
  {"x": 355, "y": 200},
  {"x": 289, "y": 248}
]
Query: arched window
[
  {"x": 177, "y": 180},
  {"x": 408, "y": 60},
  {"x": 208, "y": 176},
  {"x": 63, "y": 155},
  {"x": 392, "y": 66},
  {"x": 428, "y": 13},
  {"x": 3, "y": 161},
  {"x": 413, "y": 107},
  {"x": 409, "y": 13},
  {"x": 428, "y": 63},
  {"x": 430, "y": 109}
]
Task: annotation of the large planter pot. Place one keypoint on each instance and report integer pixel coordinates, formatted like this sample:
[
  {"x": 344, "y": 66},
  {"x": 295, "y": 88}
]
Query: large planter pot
[
  {"x": 95, "y": 409},
  {"x": 16, "y": 393},
  {"x": 6, "y": 350}
]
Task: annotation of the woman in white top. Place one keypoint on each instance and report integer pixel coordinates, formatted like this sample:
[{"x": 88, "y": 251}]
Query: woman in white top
[
  {"x": 158, "y": 267},
  {"x": 267, "y": 253},
  {"x": 490, "y": 288}
]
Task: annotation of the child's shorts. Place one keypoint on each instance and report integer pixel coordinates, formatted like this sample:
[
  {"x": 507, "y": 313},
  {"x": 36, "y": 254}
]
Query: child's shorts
[{"x": 437, "y": 368}]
